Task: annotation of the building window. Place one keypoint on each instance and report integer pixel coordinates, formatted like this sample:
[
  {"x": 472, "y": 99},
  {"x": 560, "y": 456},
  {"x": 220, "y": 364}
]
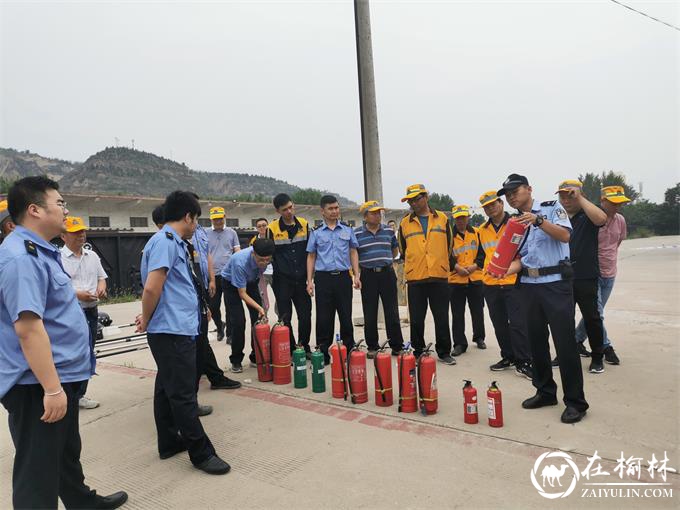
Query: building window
[
  {"x": 231, "y": 222},
  {"x": 100, "y": 222},
  {"x": 139, "y": 221},
  {"x": 205, "y": 222},
  {"x": 317, "y": 223}
]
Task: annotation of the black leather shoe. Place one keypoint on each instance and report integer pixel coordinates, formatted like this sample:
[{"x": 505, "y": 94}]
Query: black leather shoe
[
  {"x": 171, "y": 453},
  {"x": 458, "y": 350},
  {"x": 538, "y": 401},
  {"x": 204, "y": 410},
  {"x": 481, "y": 344},
  {"x": 214, "y": 466},
  {"x": 111, "y": 501},
  {"x": 225, "y": 384},
  {"x": 572, "y": 415}
]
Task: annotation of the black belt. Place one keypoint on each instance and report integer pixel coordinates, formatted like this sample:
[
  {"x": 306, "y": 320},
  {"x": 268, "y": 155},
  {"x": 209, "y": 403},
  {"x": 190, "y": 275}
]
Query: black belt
[
  {"x": 377, "y": 269},
  {"x": 535, "y": 272},
  {"x": 333, "y": 273}
]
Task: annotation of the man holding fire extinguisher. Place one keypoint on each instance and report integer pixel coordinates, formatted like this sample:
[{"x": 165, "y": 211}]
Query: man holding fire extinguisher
[
  {"x": 240, "y": 280},
  {"x": 547, "y": 292}
]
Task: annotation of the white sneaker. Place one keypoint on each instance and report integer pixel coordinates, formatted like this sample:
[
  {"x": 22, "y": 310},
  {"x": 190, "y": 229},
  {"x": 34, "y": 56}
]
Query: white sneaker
[{"x": 87, "y": 403}]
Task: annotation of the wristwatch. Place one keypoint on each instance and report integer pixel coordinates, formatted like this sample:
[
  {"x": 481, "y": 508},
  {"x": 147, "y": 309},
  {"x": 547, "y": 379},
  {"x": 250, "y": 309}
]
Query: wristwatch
[{"x": 539, "y": 221}]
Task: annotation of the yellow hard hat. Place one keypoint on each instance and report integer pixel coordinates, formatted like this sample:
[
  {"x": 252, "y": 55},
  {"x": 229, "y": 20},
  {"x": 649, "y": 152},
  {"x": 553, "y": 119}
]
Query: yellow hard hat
[
  {"x": 4, "y": 212},
  {"x": 488, "y": 197},
  {"x": 460, "y": 210},
  {"x": 216, "y": 213},
  {"x": 615, "y": 194},
  {"x": 569, "y": 185},
  {"x": 413, "y": 191},
  {"x": 370, "y": 206},
  {"x": 74, "y": 224}
]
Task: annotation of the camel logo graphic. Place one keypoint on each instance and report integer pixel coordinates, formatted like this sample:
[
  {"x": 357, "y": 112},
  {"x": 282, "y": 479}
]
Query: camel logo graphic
[{"x": 553, "y": 483}]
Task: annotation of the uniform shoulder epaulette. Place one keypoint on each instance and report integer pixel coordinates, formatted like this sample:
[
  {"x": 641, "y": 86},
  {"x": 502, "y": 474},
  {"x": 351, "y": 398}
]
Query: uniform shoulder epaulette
[
  {"x": 169, "y": 235},
  {"x": 549, "y": 203},
  {"x": 31, "y": 248}
]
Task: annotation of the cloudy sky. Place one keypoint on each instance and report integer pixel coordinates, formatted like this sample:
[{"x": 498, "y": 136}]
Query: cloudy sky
[{"x": 467, "y": 91}]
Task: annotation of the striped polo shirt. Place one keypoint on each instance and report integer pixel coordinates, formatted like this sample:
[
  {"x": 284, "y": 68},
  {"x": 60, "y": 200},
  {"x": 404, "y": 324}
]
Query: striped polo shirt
[{"x": 375, "y": 250}]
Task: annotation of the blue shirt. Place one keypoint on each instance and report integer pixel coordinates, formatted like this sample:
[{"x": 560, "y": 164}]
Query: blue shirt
[
  {"x": 375, "y": 250},
  {"x": 242, "y": 269},
  {"x": 177, "y": 312},
  {"x": 541, "y": 250},
  {"x": 424, "y": 220},
  {"x": 32, "y": 279},
  {"x": 221, "y": 244},
  {"x": 332, "y": 247},
  {"x": 200, "y": 242}
]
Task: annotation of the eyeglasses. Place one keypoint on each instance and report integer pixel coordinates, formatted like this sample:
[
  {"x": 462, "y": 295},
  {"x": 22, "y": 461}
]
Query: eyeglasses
[{"x": 414, "y": 200}]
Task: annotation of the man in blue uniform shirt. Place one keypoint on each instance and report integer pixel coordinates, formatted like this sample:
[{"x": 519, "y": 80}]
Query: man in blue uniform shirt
[
  {"x": 44, "y": 355},
  {"x": 171, "y": 312},
  {"x": 546, "y": 288},
  {"x": 331, "y": 252},
  {"x": 240, "y": 278}
]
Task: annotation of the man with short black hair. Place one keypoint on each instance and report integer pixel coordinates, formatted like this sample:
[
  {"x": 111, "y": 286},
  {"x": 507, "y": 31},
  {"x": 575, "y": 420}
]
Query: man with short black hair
[
  {"x": 545, "y": 284},
  {"x": 44, "y": 355},
  {"x": 331, "y": 252},
  {"x": 240, "y": 278},
  {"x": 171, "y": 311},
  {"x": 290, "y": 234}
]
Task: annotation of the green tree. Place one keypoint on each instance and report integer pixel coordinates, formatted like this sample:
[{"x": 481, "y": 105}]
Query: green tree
[
  {"x": 442, "y": 202},
  {"x": 308, "y": 196},
  {"x": 5, "y": 185},
  {"x": 477, "y": 219}
]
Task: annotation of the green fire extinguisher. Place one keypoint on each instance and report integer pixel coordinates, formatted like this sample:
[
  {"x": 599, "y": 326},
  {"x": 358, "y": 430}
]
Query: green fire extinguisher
[{"x": 318, "y": 372}]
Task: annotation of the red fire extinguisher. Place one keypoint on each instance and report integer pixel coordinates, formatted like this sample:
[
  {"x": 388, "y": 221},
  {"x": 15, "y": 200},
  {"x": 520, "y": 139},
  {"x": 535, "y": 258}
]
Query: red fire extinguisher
[
  {"x": 382, "y": 363},
  {"x": 495, "y": 404},
  {"x": 280, "y": 346},
  {"x": 263, "y": 353},
  {"x": 470, "y": 414},
  {"x": 507, "y": 248},
  {"x": 427, "y": 382},
  {"x": 356, "y": 375},
  {"x": 338, "y": 354},
  {"x": 406, "y": 368}
]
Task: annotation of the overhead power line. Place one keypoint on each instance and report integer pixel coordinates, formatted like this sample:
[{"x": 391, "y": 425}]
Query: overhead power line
[{"x": 646, "y": 15}]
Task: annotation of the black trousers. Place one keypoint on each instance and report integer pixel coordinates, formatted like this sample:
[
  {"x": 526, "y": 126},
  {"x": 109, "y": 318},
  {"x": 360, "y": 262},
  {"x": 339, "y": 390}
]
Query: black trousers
[
  {"x": 215, "y": 307},
  {"x": 289, "y": 292},
  {"x": 436, "y": 293},
  {"x": 552, "y": 304},
  {"x": 238, "y": 319},
  {"x": 383, "y": 286},
  {"x": 585, "y": 295},
  {"x": 205, "y": 357},
  {"x": 91, "y": 315},
  {"x": 47, "y": 459},
  {"x": 473, "y": 294},
  {"x": 509, "y": 321},
  {"x": 333, "y": 294},
  {"x": 175, "y": 407}
]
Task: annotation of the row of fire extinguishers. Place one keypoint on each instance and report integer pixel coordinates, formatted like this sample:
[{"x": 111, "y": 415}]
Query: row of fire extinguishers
[{"x": 417, "y": 376}]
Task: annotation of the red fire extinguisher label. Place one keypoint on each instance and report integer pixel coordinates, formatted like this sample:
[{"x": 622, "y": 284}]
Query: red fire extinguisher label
[{"x": 492, "y": 408}]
